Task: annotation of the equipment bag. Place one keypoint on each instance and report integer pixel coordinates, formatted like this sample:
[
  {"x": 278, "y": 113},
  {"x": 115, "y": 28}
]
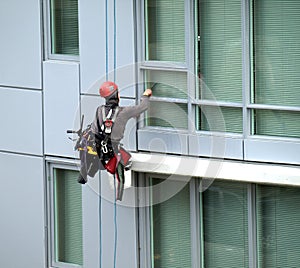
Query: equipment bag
[{"x": 85, "y": 145}]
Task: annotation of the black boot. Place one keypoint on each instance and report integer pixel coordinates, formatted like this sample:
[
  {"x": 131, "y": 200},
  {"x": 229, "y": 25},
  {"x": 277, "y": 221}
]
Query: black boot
[{"x": 81, "y": 179}]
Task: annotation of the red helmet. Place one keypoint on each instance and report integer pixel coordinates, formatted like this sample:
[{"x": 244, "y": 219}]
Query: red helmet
[{"x": 107, "y": 89}]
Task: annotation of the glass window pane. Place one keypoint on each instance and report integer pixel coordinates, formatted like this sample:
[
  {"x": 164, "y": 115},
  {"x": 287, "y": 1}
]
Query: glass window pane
[
  {"x": 68, "y": 217},
  {"x": 165, "y": 30},
  {"x": 225, "y": 219},
  {"x": 220, "y": 50},
  {"x": 170, "y": 230},
  {"x": 276, "y": 52},
  {"x": 277, "y": 123},
  {"x": 278, "y": 226},
  {"x": 64, "y": 27},
  {"x": 167, "y": 114},
  {"x": 220, "y": 119},
  {"x": 167, "y": 84}
]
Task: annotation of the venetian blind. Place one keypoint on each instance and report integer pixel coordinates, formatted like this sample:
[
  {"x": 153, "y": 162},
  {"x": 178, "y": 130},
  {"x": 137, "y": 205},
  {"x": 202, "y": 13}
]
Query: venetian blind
[
  {"x": 170, "y": 232},
  {"x": 64, "y": 27},
  {"x": 68, "y": 217},
  {"x": 168, "y": 85},
  {"x": 220, "y": 58},
  {"x": 276, "y": 37},
  {"x": 165, "y": 30},
  {"x": 221, "y": 49},
  {"x": 278, "y": 226},
  {"x": 225, "y": 220}
]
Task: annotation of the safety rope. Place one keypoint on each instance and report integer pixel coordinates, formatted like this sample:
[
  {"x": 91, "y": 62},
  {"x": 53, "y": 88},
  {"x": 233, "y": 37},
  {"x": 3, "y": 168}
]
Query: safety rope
[
  {"x": 115, "y": 40},
  {"x": 106, "y": 39},
  {"x": 115, "y": 222},
  {"x": 107, "y": 70},
  {"x": 100, "y": 223},
  {"x": 115, "y": 189}
]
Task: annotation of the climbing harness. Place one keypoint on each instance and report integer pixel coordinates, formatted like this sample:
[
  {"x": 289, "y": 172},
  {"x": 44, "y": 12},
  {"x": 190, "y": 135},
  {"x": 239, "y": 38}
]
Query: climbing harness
[
  {"x": 105, "y": 147},
  {"x": 112, "y": 155}
]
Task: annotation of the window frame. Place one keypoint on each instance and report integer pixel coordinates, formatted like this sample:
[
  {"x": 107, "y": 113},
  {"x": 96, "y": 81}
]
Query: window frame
[
  {"x": 48, "y": 55},
  {"x": 144, "y": 197},
  {"x": 51, "y": 241},
  {"x": 251, "y": 105},
  {"x": 176, "y": 136},
  {"x": 241, "y": 146},
  {"x": 197, "y": 187},
  {"x": 154, "y": 65}
]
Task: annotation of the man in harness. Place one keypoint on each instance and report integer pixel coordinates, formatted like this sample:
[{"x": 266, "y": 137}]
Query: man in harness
[{"x": 109, "y": 126}]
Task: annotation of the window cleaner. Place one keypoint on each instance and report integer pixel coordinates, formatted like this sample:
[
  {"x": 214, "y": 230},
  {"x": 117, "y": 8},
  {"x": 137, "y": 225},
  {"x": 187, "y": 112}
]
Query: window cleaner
[{"x": 103, "y": 137}]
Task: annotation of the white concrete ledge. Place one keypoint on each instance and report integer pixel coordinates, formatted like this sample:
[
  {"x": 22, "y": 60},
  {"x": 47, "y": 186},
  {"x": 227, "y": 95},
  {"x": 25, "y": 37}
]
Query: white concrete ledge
[
  {"x": 263, "y": 173},
  {"x": 216, "y": 169}
]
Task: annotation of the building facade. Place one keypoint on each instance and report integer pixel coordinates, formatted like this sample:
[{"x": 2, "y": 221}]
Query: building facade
[{"x": 215, "y": 176}]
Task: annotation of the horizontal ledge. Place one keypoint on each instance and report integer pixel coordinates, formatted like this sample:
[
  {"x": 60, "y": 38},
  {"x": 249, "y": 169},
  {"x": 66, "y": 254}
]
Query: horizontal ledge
[{"x": 216, "y": 169}]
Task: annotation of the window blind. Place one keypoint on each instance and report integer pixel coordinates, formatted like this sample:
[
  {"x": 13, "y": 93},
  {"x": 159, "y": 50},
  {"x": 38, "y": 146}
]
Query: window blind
[
  {"x": 220, "y": 49},
  {"x": 167, "y": 114},
  {"x": 277, "y": 123},
  {"x": 64, "y": 27},
  {"x": 276, "y": 52},
  {"x": 278, "y": 226},
  {"x": 276, "y": 55},
  {"x": 170, "y": 232},
  {"x": 170, "y": 84},
  {"x": 220, "y": 119},
  {"x": 68, "y": 217},
  {"x": 165, "y": 30},
  {"x": 225, "y": 220}
]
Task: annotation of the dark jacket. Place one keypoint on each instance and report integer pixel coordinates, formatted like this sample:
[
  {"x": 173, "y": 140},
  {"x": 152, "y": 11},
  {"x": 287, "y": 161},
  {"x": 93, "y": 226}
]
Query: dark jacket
[{"x": 124, "y": 114}]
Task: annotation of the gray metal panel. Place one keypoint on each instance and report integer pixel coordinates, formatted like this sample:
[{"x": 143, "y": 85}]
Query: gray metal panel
[
  {"x": 272, "y": 151},
  {"x": 216, "y": 146},
  {"x": 89, "y": 105},
  {"x": 125, "y": 222},
  {"x": 22, "y": 230},
  {"x": 162, "y": 142},
  {"x": 92, "y": 43},
  {"x": 20, "y": 53},
  {"x": 125, "y": 75},
  {"x": 93, "y": 46},
  {"x": 21, "y": 121},
  {"x": 61, "y": 106}
]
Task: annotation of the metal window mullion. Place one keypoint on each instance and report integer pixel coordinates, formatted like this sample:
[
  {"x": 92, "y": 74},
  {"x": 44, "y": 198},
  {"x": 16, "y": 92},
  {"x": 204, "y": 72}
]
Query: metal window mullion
[
  {"x": 252, "y": 236},
  {"x": 217, "y": 103},
  {"x": 246, "y": 64},
  {"x": 140, "y": 53},
  {"x": 195, "y": 223},
  {"x": 190, "y": 51},
  {"x": 144, "y": 222},
  {"x": 163, "y": 66},
  {"x": 201, "y": 225},
  {"x": 170, "y": 100},
  {"x": 274, "y": 107},
  {"x": 51, "y": 208}
]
